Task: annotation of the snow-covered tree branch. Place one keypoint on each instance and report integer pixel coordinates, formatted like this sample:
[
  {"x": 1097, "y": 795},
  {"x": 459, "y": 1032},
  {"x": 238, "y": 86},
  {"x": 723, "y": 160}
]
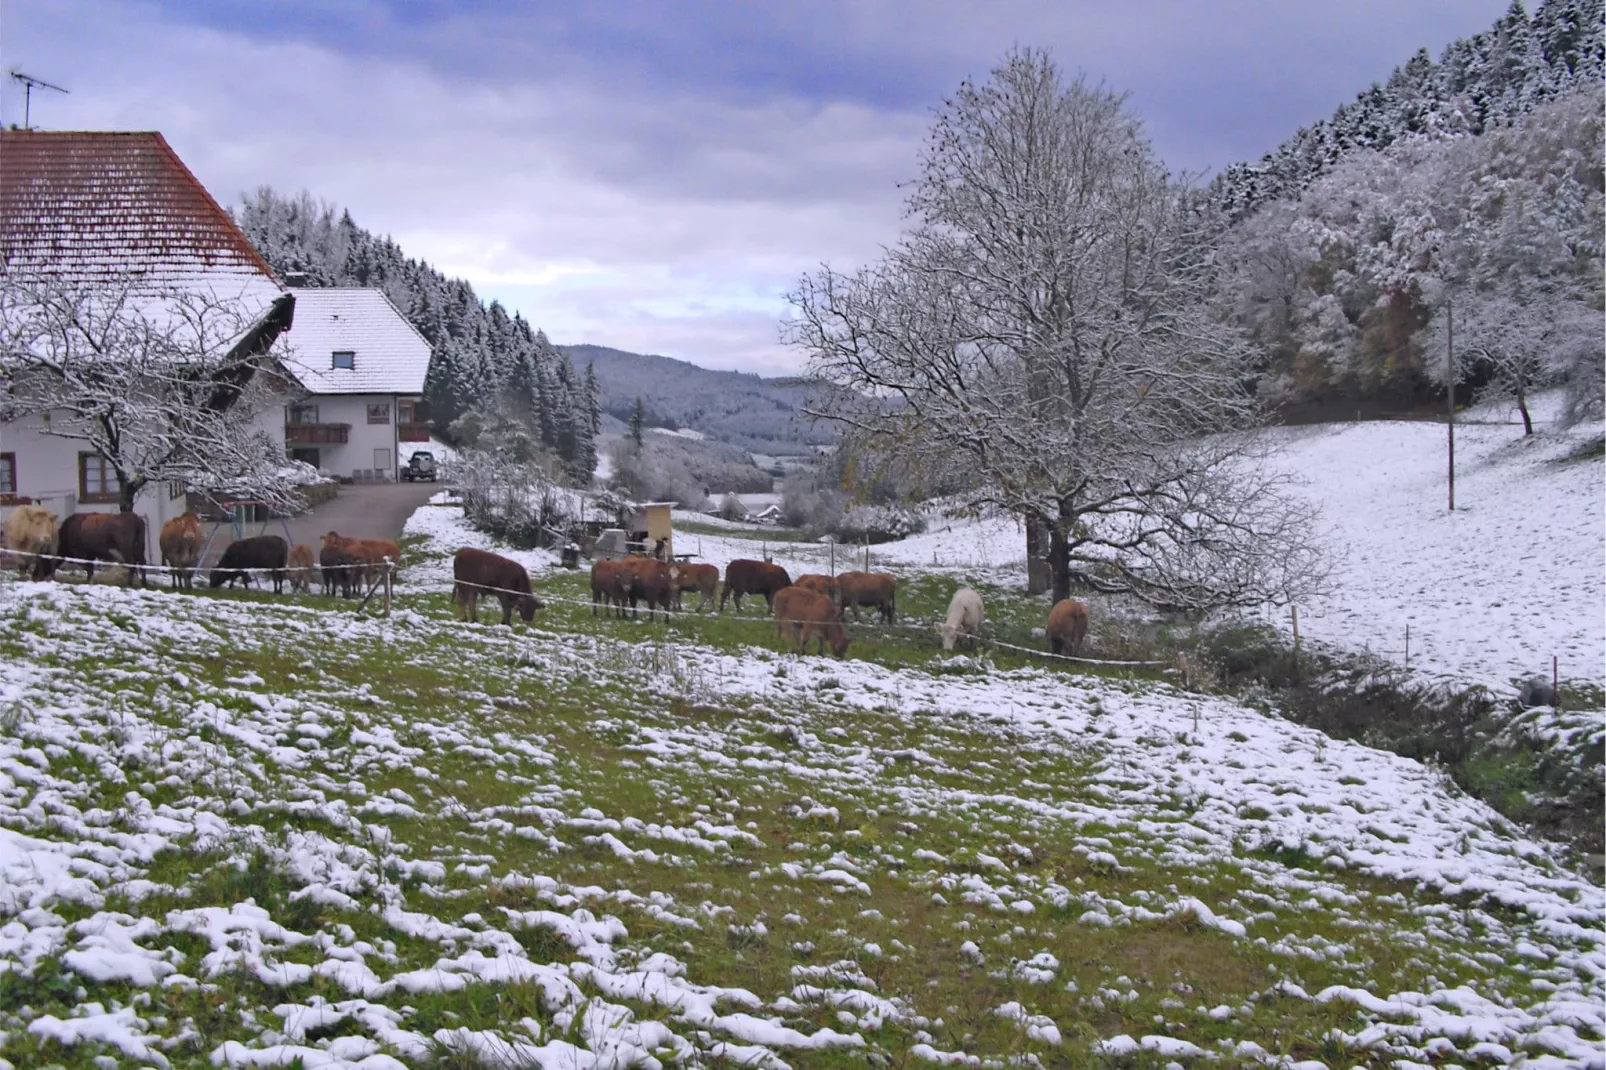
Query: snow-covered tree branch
[
  {"x": 160, "y": 383},
  {"x": 1045, "y": 327}
]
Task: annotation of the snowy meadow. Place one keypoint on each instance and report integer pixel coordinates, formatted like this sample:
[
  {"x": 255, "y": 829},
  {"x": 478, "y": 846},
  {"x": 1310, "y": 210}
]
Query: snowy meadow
[{"x": 237, "y": 830}]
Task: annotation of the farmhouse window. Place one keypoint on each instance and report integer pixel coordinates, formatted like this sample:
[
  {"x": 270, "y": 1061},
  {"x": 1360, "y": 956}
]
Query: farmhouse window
[
  {"x": 303, "y": 414},
  {"x": 8, "y": 473},
  {"x": 379, "y": 413},
  {"x": 97, "y": 480},
  {"x": 343, "y": 358},
  {"x": 404, "y": 412}
]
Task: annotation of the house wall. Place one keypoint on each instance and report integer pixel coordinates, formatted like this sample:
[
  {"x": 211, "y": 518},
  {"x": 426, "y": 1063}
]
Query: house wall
[
  {"x": 47, "y": 472},
  {"x": 367, "y": 446}
]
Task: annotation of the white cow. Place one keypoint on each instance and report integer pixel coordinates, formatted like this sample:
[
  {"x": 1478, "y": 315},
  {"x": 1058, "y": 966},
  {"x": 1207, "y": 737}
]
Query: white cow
[{"x": 965, "y": 614}]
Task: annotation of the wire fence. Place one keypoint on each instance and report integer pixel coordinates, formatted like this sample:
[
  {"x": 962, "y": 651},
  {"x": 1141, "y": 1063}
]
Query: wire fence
[{"x": 484, "y": 589}]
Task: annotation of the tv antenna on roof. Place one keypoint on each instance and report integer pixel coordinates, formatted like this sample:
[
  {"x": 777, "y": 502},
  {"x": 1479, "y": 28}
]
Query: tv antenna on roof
[{"x": 29, "y": 81}]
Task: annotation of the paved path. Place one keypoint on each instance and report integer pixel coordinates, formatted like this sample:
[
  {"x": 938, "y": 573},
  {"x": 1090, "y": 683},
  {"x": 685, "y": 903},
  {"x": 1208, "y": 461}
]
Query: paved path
[{"x": 359, "y": 511}]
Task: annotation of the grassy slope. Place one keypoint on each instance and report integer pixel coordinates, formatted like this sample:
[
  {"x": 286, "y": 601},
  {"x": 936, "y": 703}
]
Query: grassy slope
[{"x": 826, "y": 838}]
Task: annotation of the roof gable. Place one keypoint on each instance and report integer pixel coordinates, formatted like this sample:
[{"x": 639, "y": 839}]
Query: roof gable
[
  {"x": 388, "y": 355},
  {"x": 84, "y": 205}
]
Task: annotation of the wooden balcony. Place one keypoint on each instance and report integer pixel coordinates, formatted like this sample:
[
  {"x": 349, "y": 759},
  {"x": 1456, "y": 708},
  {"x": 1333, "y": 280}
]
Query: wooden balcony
[
  {"x": 316, "y": 434},
  {"x": 412, "y": 432}
]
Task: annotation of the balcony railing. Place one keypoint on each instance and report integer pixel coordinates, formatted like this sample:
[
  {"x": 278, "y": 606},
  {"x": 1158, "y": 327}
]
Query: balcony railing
[
  {"x": 412, "y": 432},
  {"x": 316, "y": 434}
]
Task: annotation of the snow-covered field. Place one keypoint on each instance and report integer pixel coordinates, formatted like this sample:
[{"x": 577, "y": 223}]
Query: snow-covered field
[
  {"x": 244, "y": 832},
  {"x": 1515, "y": 575}
]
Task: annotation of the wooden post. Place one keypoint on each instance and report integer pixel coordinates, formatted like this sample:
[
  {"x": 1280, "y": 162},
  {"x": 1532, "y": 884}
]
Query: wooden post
[
  {"x": 1407, "y": 646},
  {"x": 1449, "y": 388},
  {"x": 1555, "y": 684},
  {"x": 833, "y": 557},
  {"x": 867, "y": 553},
  {"x": 1293, "y": 609},
  {"x": 390, "y": 575}
]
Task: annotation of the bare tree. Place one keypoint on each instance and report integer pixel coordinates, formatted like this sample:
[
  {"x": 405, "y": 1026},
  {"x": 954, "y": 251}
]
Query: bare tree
[
  {"x": 1044, "y": 329},
  {"x": 160, "y": 383}
]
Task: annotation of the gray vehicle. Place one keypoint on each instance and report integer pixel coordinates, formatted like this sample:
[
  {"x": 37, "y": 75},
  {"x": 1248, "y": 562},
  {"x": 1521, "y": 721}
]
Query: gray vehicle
[{"x": 421, "y": 465}]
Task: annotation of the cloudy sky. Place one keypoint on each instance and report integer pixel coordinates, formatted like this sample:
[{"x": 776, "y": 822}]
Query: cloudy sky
[{"x": 654, "y": 175}]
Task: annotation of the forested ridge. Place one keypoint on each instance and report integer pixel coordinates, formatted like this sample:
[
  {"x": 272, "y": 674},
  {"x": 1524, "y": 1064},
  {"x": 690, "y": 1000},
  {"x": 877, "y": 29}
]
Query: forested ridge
[{"x": 1480, "y": 82}]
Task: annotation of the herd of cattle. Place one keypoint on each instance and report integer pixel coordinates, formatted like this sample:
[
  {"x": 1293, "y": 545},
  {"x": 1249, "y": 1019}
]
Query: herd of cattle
[
  {"x": 808, "y": 609},
  {"x": 86, "y": 539}
]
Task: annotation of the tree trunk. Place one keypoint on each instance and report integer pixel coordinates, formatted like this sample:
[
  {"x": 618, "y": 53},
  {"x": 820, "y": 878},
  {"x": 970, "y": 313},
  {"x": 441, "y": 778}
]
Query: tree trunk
[
  {"x": 126, "y": 493},
  {"x": 1037, "y": 571},
  {"x": 1522, "y": 407},
  {"x": 1059, "y": 560}
]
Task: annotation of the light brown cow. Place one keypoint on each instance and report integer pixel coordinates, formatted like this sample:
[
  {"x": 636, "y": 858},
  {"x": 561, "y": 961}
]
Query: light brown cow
[
  {"x": 370, "y": 554},
  {"x": 1067, "y": 627},
  {"x": 802, "y": 615},
  {"x": 704, "y": 579},
  {"x": 744, "y": 576},
  {"x": 302, "y": 566},
  {"x": 826, "y": 585},
  {"x": 31, "y": 530},
  {"x": 653, "y": 582},
  {"x": 180, "y": 544},
  {"x": 877, "y": 590},
  {"x": 611, "y": 583}
]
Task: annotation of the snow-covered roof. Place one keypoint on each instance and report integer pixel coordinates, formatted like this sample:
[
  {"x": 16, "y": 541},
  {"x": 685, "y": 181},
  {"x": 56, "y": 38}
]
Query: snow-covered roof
[
  {"x": 387, "y": 355},
  {"x": 86, "y": 206}
]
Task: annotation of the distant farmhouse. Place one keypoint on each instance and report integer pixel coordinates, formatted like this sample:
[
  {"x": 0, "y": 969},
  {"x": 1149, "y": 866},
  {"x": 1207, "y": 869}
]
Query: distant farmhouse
[
  {"x": 362, "y": 367},
  {"x": 83, "y": 207}
]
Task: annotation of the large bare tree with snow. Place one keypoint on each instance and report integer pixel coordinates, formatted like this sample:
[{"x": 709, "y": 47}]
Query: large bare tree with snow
[
  {"x": 160, "y": 383},
  {"x": 1043, "y": 329}
]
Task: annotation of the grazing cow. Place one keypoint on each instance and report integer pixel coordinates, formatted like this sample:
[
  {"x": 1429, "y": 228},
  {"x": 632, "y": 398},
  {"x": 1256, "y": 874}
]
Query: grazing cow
[
  {"x": 31, "y": 529},
  {"x": 965, "y": 614},
  {"x": 826, "y": 585},
  {"x": 259, "y": 551},
  {"x": 654, "y": 582},
  {"x": 877, "y": 590},
  {"x": 802, "y": 615},
  {"x": 338, "y": 568},
  {"x": 611, "y": 584},
  {"x": 114, "y": 537},
  {"x": 301, "y": 565},
  {"x": 479, "y": 573},
  {"x": 704, "y": 579},
  {"x": 753, "y": 577},
  {"x": 1067, "y": 627},
  {"x": 180, "y": 543}
]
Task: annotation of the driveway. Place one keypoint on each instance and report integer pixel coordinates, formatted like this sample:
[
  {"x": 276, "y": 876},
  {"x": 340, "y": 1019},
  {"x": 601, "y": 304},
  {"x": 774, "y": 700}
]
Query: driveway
[{"x": 359, "y": 511}]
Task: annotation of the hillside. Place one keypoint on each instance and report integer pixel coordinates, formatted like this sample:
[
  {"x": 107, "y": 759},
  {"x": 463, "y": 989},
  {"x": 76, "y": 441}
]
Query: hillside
[
  {"x": 757, "y": 414},
  {"x": 269, "y": 831}
]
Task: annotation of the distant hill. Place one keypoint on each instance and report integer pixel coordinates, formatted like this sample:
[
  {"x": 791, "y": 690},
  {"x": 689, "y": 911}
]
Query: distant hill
[{"x": 754, "y": 413}]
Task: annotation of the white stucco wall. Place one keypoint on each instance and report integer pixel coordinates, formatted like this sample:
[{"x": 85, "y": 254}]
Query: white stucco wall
[{"x": 367, "y": 446}]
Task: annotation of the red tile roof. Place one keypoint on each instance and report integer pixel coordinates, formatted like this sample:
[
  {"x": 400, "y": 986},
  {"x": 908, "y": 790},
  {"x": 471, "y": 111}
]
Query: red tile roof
[{"x": 86, "y": 204}]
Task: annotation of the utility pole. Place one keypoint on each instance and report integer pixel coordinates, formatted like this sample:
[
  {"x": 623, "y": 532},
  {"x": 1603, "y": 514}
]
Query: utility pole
[{"x": 1449, "y": 383}]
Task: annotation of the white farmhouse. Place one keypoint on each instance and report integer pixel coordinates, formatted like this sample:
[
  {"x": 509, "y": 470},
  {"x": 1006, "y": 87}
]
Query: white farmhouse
[
  {"x": 78, "y": 209},
  {"x": 362, "y": 366}
]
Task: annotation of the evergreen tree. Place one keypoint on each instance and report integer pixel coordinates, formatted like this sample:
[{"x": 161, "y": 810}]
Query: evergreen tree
[{"x": 638, "y": 422}]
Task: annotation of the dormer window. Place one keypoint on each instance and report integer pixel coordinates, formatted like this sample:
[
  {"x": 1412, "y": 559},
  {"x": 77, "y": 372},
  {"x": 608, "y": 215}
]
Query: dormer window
[{"x": 343, "y": 358}]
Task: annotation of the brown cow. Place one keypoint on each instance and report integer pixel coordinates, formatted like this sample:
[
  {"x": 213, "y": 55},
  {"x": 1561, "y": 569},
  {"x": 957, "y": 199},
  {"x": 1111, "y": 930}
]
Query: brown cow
[
  {"x": 826, "y": 585},
  {"x": 115, "y": 537},
  {"x": 753, "y": 577},
  {"x": 1067, "y": 627},
  {"x": 479, "y": 573},
  {"x": 367, "y": 556},
  {"x": 31, "y": 530},
  {"x": 611, "y": 583},
  {"x": 704, "y": 579},
  {"x": 301, "y": 565},
  {"x": 876, "y": 589},
  {"x": 180, "y": 543},
  {"x": 243, "y": 556},
  {"x": 802, "y": 615},
  {"x": 339, "y": 569},
  {"x": 653, "y": 582}
]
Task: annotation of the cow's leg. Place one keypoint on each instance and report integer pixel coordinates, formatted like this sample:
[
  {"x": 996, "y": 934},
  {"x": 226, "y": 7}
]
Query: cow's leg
[{"x": 507, "y": 609}]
